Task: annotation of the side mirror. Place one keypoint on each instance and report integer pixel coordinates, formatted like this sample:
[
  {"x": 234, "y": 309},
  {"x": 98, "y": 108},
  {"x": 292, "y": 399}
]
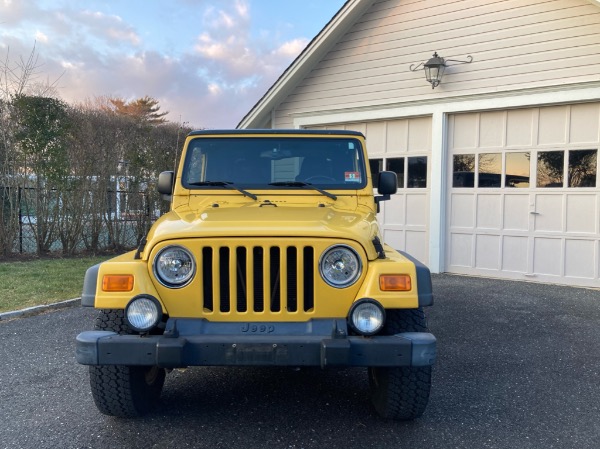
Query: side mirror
[
  {"x": 388, "y": 185},
  {"x": 166, "y": 180}
]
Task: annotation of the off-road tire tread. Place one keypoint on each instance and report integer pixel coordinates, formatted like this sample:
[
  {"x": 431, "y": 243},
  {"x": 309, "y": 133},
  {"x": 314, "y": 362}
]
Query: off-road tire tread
[
  {"x": 112, "y": 320},
  {"x": 120, "y": 390},
  {"x": 401, "y": 393}
]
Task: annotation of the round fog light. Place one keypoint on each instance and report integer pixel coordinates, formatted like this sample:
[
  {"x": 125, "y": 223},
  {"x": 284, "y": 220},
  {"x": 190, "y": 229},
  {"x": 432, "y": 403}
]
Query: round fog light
[
  {"x": 367, "y": 317},
  {"x": 143, "y": 313}
]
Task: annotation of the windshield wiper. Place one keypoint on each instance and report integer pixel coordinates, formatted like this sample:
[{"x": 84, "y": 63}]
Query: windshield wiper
[
  {"x": 227, "y": 184},
  {"x": 303, "y": 184}
]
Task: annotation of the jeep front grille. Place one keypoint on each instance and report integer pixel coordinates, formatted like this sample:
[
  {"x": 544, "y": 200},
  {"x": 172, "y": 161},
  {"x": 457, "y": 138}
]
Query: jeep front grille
[{"x": 257, "y": 278}]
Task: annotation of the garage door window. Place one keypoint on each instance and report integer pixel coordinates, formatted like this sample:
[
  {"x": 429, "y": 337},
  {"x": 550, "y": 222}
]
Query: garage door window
[
  {"x": 411, "y": 171},
  {"x": 517, "y": 170},
  {"x": 396, "y": 164},
  {"x": 583, "y": 168},
  {"x": 485, "y": 170},
  {"x": 417, "y": 172},
  {"x": 490, "y": 170},
  {"x": 463, "y": 170},
  {"x": 550, "y": 168},
  {"x": 376, "y": 166}
]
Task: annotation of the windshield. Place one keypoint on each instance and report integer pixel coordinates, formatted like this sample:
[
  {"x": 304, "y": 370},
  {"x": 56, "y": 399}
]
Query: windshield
[{"x": 275, "y": 163}]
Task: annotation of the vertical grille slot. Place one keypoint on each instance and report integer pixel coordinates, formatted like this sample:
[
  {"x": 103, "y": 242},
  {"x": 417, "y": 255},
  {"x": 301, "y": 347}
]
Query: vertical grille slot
[
  {"x": 275, "y": 279},
  {"x": 207, "y": 284},
  {"x": 309, "y": 278},
  {"x": 259, "y": 288},
  {"x": 241, "y": 278},
  {"x": 292, "y": 279},
  {"x": 224, "y": 279}
]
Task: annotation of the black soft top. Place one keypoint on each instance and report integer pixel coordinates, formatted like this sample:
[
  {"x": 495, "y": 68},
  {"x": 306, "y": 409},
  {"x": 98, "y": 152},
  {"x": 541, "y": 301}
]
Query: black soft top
[{"x": 303, "y": 132}]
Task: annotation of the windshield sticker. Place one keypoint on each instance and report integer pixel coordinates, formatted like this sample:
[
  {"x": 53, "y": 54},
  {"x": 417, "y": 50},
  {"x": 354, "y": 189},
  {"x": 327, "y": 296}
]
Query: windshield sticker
[{"x": 352, "y": 176}]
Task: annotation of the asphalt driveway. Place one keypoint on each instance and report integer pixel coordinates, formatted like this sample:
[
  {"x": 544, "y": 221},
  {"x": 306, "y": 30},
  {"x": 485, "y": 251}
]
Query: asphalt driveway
[{"x": 518, "y": 367}]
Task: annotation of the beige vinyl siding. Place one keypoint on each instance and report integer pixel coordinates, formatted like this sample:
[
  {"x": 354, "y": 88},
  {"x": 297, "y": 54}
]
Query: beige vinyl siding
[{"x": 515, "y": 44}]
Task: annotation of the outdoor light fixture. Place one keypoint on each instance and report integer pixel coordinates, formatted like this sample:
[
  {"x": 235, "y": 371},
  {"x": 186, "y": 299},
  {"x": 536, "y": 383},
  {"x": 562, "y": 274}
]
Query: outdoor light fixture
[{"x": 435, "y": 67}]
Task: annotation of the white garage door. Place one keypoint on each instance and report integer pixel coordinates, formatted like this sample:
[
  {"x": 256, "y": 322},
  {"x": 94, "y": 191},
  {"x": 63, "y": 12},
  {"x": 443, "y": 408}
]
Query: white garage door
[
  {"x": 403, "y": 146},
  {"x": 524, "y": 196}
]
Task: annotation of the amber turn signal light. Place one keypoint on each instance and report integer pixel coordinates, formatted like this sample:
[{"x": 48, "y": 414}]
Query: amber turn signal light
[
  {"x": 117, "y": 283},
  {"x": 394, "y": 283}
]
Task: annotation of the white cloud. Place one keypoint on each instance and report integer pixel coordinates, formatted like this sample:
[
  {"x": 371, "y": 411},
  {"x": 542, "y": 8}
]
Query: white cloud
[
  {"x": 68, "y": 65},
  {"x": 107, "y": 27},
  {"x": 123, "y": 35},
  {"x": 242, "y": 8},
  {"x": 292, "y": 48},
  {"x": 211, "y": 83},
  {"x": 215, "y": 89},
  {"x": 41, "y": 37}
]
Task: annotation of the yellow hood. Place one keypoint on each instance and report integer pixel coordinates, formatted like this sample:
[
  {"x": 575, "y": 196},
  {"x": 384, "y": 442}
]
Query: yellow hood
[{"x": 260, "y": 220}]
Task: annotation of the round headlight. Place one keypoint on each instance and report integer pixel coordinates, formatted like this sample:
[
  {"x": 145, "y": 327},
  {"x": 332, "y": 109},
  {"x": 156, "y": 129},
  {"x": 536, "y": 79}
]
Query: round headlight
[
  {"x": 340, "y": 266},
  {"x": 143, "y": 313},
  {"x": 367, "y": 317},
  {"x": 174, "y": 266}
]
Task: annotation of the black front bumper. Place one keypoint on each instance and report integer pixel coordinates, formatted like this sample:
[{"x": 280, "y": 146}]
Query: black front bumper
[{"x": 188, "y": 342}]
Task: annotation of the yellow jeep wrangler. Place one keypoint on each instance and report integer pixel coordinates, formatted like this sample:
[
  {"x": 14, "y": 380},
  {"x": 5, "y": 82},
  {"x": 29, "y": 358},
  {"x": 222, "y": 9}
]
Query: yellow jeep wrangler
[{"x": 271, "y": 255}]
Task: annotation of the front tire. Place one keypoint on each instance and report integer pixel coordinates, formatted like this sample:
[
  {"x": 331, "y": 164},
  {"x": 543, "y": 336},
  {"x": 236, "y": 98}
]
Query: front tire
[
  {"x": 401, "y": 393},
  {"x": 124, "y": 391}
]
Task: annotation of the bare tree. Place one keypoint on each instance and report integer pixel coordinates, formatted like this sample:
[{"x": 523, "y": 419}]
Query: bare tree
[
  {"x": 16, "y": 78},
  {"x": 22, "y": 76}
]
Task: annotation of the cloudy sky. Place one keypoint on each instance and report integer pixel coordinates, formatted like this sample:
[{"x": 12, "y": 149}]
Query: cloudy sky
[{"x": 206, "y": 61}]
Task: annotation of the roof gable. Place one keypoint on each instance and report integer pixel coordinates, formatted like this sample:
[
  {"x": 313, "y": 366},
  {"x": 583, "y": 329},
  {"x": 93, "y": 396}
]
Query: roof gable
[{"x": 351, "y": 11}]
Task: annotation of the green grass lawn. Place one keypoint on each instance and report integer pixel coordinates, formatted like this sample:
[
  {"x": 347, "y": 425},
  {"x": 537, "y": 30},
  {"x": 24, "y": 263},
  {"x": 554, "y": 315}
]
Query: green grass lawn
[{"x": 35, "y": 282}]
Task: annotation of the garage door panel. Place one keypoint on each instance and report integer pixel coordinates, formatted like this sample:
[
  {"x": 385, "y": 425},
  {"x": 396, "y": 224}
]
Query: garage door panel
[
  {"x": 580, "y": 258},
  {"x": 519, "y": 128},
  {"x": 516, "y": 212},
  {"x": 549, "y": 213},
  {"x": 547, "y": 256},
  {"x": 582, "y": 214},
  {"x": 394, "y": 238},
  {"x": 419, "y": 134},
  {"x": 491, "y": 129},
  {"x": 394, "y": 210},
  {"x": 417, "y": 244},
  {"x": 376, "y": 133},
  {"x": 417, "y": 209},
  {"x": 396, "y": 134},
  {"x": 462, "y": 207},
  {"x": 487, "y": 254},
  {"x": 585, "y": 120},
  {"x": 552, "y": 128},
  {"x": 514, "y": 254},
  {"x": 489, "y": 211},
  {"x": 462, "y": 245},
  {"x": 464, "y": 132}
]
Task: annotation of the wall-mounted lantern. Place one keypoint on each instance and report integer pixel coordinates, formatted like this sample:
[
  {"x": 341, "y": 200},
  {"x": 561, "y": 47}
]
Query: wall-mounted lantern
[{"x": 434, "y": 68}]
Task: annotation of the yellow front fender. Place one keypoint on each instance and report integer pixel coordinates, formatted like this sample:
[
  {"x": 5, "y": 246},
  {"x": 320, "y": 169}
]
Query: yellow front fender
[{"x": 125, "y": 264}]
